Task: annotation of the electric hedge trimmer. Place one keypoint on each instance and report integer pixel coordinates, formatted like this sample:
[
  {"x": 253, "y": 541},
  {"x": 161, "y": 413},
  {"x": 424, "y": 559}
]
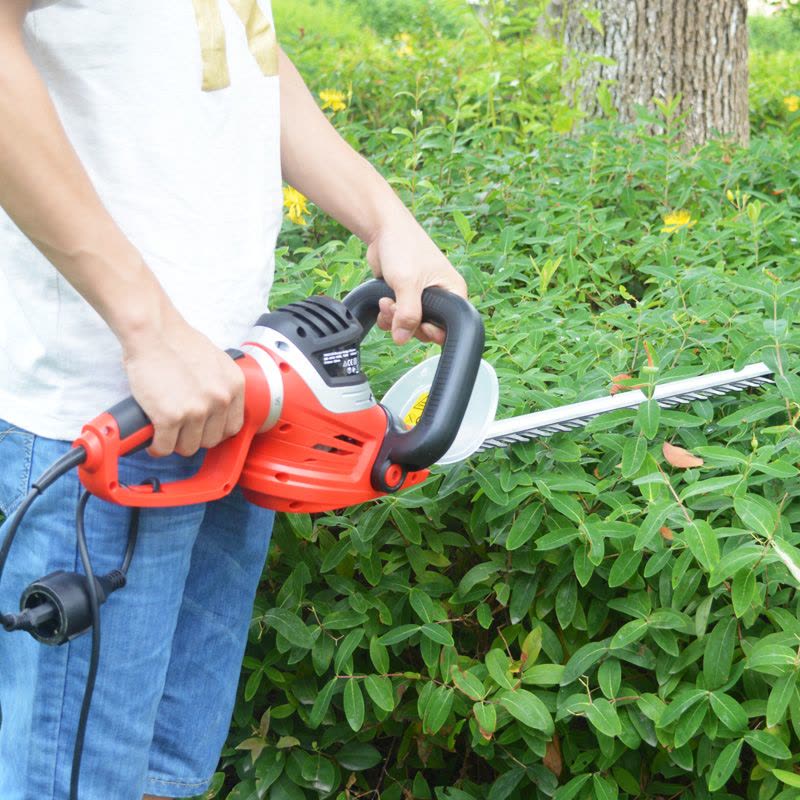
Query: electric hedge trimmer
[{"x": 314, "y": 438}]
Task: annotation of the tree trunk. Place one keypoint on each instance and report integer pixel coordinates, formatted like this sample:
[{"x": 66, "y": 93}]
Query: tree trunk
[{"x": 662, "y": 48}]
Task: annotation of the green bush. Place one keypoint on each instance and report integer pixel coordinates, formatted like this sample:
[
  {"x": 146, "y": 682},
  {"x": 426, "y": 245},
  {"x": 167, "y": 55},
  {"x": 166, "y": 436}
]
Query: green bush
[
  {"x": 575, "y": 617},
  {"x": 779, "y": 32}
]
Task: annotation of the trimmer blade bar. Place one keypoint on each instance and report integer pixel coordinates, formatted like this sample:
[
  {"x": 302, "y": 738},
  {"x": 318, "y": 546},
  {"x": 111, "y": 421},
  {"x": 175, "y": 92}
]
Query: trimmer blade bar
[{"x": 505, "y": 432}]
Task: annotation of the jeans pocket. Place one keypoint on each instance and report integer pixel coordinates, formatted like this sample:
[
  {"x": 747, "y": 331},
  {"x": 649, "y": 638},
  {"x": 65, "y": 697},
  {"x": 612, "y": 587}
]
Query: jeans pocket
[{"x": 16, "y": 450}]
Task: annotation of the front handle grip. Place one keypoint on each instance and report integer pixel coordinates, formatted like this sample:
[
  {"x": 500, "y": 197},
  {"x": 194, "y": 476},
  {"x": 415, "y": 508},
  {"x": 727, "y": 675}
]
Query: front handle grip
[
  {"x": 452, "y": 386},
  {"x": 125, "y": 429}
]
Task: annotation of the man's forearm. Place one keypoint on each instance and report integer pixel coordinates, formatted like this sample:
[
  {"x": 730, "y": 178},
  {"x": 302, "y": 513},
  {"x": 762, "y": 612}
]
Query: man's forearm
[
  {"x": 317, "y": 161},
  {"x": 46, "y": 191}
]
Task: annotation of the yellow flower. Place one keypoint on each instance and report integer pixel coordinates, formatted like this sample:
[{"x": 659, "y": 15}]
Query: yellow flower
[
  {"x": 333, "y": 99},
  {"x": 405, "y": 48},
  {"x": 792, "y": 103},
  {"x": 676, "y": 220},
  {"x": 295, "y": 202}
]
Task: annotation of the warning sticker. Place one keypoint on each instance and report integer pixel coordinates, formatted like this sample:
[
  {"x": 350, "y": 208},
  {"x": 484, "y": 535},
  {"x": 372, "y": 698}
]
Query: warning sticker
[
  {"x": 339, "y": 363},
  {"x": 415, "y": 412}
]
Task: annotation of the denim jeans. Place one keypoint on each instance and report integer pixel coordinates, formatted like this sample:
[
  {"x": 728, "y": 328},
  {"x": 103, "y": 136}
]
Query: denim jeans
[{"x": 172, "y": 640}]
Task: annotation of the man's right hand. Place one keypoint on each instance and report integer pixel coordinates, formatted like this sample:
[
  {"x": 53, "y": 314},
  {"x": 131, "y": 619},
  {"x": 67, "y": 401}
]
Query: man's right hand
[{"x": 192, "y": 391}]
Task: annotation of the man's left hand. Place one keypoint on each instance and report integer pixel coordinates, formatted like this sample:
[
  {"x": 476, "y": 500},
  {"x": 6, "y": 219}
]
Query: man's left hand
[{"x": 408, "y": 260}]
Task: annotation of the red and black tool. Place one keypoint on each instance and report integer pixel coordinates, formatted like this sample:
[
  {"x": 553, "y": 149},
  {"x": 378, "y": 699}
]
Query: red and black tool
[{"x": 314, "y": 438}]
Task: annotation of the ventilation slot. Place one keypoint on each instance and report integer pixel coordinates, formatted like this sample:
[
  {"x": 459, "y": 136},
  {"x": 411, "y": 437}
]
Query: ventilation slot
[{"x": 350, "y": 440}]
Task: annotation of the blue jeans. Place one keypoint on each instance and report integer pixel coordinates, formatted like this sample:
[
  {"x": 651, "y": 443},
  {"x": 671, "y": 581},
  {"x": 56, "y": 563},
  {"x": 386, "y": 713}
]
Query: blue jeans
[{"x": 172, "y": 640}]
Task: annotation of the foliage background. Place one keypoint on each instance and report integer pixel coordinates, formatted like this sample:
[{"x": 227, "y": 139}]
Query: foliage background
[{"x": 575, "y": 618}]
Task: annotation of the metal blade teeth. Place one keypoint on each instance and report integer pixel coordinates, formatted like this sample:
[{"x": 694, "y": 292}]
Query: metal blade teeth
[{"x": 664, "y": 402}]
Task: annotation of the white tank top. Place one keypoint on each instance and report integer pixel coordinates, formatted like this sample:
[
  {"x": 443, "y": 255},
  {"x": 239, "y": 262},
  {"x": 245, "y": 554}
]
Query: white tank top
[{"x": 188, "y": 167}]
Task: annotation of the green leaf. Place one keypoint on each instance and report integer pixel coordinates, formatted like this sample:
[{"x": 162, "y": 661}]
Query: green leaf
[
  {"x": 582, "y": 565},
  {"x": 718, "y": 655},
  {"x": 379, "y": 655},
  {"x": 789, "y": 386},
  {"x": 568, "y": 506},
  {"x": 566, "y": 602},
  {"x": 290, "y": 626},
  {"x": 336, "y": 554},
  {"x": 322, "y": 703},
  {"x": 609, "y": 676},
  {"x": 358, "y": 756},
  {"x": 570, "y": 789},
  {"x": 583, "y": 658},
  {"x": 422, "y": 604},
  {"x": 789, "y": 555},
  {"x": 503, "y": 786},
  {"x": 724, "y": 766},
  {"x": 648, "y": 530},
  {"x": 740, "y": 558},
  {"x": 463, "y": 226},
  {"x": 468, "y": 683},
  {"x": 437, "y": 633},
  {"x": 353, "y": 704},
  {"x": 486, "y": 716},
  {"x": 499, "y": 664},
  {"x": 528, "y": 709},
  {"x": 677, "y": 708},
  {"x": 779, "y": 697},
  {"x": 253, "y": 682},
  {"x": 543, "y": 675},
  {"x": 478, "y": 574},
  {"x": 689, "y": 723},
  {"x": 710, "y": 487},
  {"x": 789, "y": 778},
  {"x": 702, "y": 542},
  {"x": 633, "y": 455},
  {"x": 768, "y": 745},
  {"x": 604, "y": 789},
  {"x": 630, "y": 632},
  {"x": 284, "y": 789},
  {"x": 437, "y": 709},
  {"x": 524, "y": 526},
  {"x": 743, "y": 591},
  {"x": 728, "y": 710},
  {"x": 624, "y": 567},
  {"x": 773, "y": 660},
  {"x": 648, "y": 417},
  {"x": 399, "y": 634},
  {"x": 379, "y": 688},
  {"x": 603, "y": 716},
  {"x": 757, "y": 513},
  {"x": 347, "y": 648},
  {"x": 754, "y": 412}
]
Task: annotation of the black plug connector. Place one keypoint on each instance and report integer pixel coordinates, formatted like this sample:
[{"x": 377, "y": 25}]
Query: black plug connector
[{"x": 56, "y": 608}]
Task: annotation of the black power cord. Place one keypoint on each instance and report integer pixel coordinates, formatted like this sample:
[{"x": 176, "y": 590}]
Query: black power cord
[
  {"x": 94, "y": 660},
  {"x": 61, "y": 606},
  {"x": 94, "y": 603},
  {"x": 68, "y": 461}
]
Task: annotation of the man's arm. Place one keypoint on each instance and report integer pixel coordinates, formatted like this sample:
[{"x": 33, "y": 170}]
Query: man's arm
[
  {"x": 319, "y": 163},
  {"x": 190, "y": 389}
]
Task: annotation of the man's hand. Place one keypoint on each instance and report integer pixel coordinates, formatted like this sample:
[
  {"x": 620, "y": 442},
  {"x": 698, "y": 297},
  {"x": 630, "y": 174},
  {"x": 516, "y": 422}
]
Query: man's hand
[
  {"x": 408, "y": 260},
  {"x": 192, "y": 391}
]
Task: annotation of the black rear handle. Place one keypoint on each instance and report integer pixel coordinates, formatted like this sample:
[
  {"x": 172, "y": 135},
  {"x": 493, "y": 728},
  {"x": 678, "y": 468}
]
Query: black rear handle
[{"x": 438, "y": 426}]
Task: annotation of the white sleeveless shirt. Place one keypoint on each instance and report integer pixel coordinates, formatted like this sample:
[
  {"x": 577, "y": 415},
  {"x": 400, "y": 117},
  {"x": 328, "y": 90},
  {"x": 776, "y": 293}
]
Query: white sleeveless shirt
[{"x": 191, "y": 176}]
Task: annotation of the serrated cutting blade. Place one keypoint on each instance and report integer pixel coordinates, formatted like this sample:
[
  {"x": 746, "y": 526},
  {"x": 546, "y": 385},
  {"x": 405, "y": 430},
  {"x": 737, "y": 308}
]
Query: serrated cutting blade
[{"x": 524, "y": 428}]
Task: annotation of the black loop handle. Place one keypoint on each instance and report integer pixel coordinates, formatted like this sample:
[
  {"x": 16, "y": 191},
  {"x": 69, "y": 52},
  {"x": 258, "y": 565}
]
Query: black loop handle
[{"x": 438, "y": 426}]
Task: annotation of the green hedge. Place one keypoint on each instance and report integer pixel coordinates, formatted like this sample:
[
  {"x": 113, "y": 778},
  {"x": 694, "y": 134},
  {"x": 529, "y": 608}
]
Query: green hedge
[{"x": 575, "y": 617}]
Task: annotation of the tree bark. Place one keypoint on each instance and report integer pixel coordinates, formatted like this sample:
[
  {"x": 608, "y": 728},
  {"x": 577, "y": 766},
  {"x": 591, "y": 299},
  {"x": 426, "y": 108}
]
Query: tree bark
[{"x": 661, "y": 48}]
